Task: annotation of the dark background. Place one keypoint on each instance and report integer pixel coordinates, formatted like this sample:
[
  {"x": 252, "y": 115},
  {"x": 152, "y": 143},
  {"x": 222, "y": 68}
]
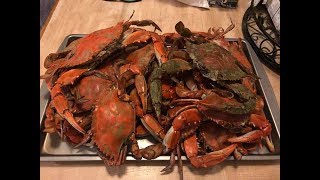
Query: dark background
[{"x": 45, "y": 8}]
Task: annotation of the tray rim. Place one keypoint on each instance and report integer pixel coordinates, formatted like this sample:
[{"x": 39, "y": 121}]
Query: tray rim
[{"x": 267, "y": 91}]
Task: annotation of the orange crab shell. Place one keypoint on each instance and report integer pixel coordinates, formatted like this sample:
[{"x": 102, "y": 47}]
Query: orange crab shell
[{"x": 113, "y": 123}]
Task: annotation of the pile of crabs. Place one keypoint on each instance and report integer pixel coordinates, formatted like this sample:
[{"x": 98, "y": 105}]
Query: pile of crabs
[{"x": 193, "y": 92}]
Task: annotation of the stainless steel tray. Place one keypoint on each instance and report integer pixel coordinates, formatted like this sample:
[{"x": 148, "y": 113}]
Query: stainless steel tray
[{"x": 53, "y": 149}]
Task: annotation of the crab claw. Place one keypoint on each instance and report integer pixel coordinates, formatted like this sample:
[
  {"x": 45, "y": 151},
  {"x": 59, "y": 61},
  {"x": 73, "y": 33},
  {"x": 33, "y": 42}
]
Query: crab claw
[
  {"x": 172, "y": 162},
  {"x": 237, "y": 155},
  {"x": 49, "y": 122},
  {"x": 135, "y": 147},
  {"x": 171, "y": 139},
  {"x": 114, "y": 160},
  {"x": 59, "y": 56},
  {"x": 187, "y": 118},
  {"x": 208, "y": 160},
  {"x": 212, "y": 158},
  {"x": 183, "y": 92},
  {"x": 247, "y": 138},
  {"x": 141, "y": 131},
  {"x": 270, "y": 144},
  {"x": 152, "y": 151},
  {"x": 60, "y": 101},
  {"x": 53, "y": 57},
  {"x": 144, "y": 23},
  {"x": 141, "y": 86},
  {"x": 61, "y": 105},
  {"x": 87, "y": 137},
  {"x": 262, "y": 123},
  {"x": 159, "y": 48},
  {"x": 153, "y": 126},
  {"x": 144, "y": 36}
]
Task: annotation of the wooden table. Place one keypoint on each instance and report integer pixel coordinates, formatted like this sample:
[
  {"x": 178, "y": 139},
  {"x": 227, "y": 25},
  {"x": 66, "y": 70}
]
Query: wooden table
[{"x": 85, "y": 16}]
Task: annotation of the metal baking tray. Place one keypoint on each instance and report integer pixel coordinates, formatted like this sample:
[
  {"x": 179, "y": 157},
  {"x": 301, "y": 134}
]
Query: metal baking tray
[{"x": 54, "y": 150}]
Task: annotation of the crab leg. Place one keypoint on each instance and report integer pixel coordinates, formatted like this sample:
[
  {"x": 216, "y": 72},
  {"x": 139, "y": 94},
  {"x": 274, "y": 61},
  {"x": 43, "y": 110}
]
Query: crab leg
[
  {"x": 138, "y": 62},
  {"x": 183, "y": 92},
  {"x": 60, "y": 101},
  {"x": 122, "y": 83},
  {"x": 247, "y": 138},
  {"x": 62, "y": 130},
  {"x": 229, "y": 28},
  {"x": 184, "y": 119},
  {"x": 103, "y": 157},
  {"x": 61, "y": 104},
  {"x": 141, "y": 85},
  {"x": 155, "y": 91},
  {"x": 153, "y": 126},
  {"x": 152, "y": 151},
  {"x": 218, "y": 103},
  {"x": 270, "y": 144},
  {"x": 148, "y": 121},
  {"x": 168, "y": 91},
  {"x": 121, "y": 156},
  {"x": 264, "y": 130},
  {"x": 135, "y": 147},
  {"x": 180, "y": 167},
  {"x": 166, "y": 69},
  {"x": 143, "y": 36},
  {"x": 116, "y": 160},
  {"x": 87, "y": 137},
  {"x": 262, "y": 123},
  {"x": 54, "y": 57},
  {"x": 172, "y": 162},
  {"x": 141, "y": 131},
  {"x": 208, "y": 160},
  {"x": 242, "y": 150},
  {"x": 49, "y": 123},
  {"x": 159, "y": 48},
  {"x": 237, "y": 155},
  {"x": 142, "y": 23}
]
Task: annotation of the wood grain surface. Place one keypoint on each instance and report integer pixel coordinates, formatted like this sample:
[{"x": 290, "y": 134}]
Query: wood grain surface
[{"x": 85, "y": 16}]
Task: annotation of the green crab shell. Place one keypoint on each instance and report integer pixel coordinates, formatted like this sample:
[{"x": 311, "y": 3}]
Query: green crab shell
[{"x": 214, "y": 62}]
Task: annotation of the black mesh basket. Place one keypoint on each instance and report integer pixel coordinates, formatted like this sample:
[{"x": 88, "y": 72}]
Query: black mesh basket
[{"x": 259, "y": 30}]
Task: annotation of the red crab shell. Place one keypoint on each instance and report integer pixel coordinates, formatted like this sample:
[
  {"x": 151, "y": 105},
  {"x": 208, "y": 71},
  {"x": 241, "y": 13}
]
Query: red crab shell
[
  {"x": 139, "y": 60},
  {"x": 113, "y": 123},
  {"x": 92, "y": 45},
  {"x": 95, "y": 46},
  {"x": 89, "y": 90}
]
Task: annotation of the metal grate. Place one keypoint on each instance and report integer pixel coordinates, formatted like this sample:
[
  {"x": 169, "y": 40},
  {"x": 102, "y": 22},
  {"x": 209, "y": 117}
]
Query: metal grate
[{"x": 259, "y": 30}]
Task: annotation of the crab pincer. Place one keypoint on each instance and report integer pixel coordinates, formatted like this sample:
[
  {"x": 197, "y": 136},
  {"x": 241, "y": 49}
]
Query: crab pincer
[
  {"x": 59, "y": 100},
  {"x": 207, "y": 160}
]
